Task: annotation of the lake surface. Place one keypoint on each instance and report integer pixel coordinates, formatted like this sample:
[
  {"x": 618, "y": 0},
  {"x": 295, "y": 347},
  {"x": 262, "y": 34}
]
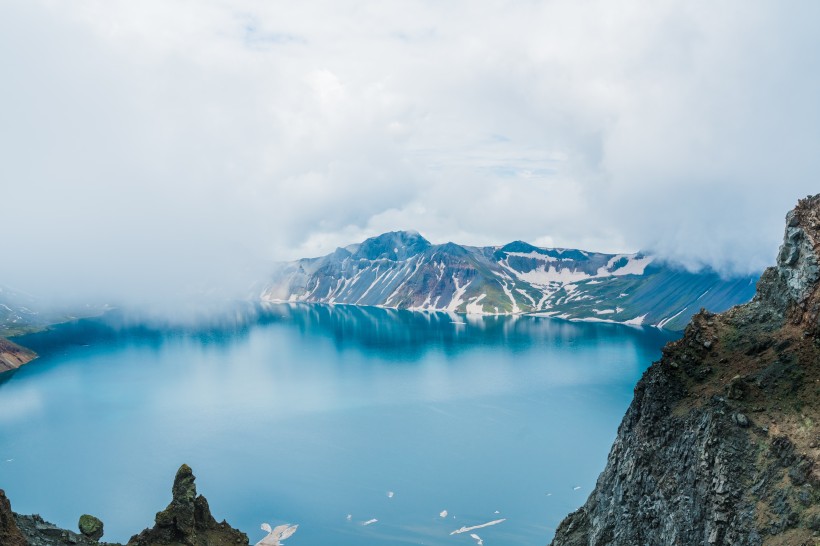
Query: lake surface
[{"x": 310, "y": 414}]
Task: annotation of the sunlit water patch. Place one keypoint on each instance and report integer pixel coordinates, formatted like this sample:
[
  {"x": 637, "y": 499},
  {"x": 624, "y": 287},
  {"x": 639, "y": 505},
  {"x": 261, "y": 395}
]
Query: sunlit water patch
[{"x": 363, "y": 426}]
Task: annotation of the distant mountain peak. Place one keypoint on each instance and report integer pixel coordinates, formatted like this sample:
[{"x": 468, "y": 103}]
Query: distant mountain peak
[
  {"x": 394, "y": 245},
  {"x": 404, "y": 270}
]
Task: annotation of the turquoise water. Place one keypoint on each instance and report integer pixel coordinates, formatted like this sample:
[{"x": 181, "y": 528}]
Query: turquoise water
[{"x": 307, "y": 415}]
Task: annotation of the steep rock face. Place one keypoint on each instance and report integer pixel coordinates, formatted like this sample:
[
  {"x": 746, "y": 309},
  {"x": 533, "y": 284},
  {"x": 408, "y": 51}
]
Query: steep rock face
[
  {"x": 187, "y": 520},
  {"x": 12, "y": 356},
  {"x": 405, "y": 271},
  {"x": 720, "y": 444},
  {"x": 10, "y": 534}
]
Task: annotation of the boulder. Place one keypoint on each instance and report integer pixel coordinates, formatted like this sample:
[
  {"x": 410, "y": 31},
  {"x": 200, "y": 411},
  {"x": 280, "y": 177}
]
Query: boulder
[{"x": 91, "y": 527}]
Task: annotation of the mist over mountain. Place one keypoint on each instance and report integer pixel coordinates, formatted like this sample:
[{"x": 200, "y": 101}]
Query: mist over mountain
[{"x": 154, "y": 151}]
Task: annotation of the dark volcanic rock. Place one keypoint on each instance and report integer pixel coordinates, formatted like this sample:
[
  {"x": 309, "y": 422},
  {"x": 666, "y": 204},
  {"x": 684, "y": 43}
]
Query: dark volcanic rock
[
  {"x": 720, "y": 445},
  {"x": 39, "y": 532},
  {"x": 187, "y": 520},
  {"x": 10, "y": 534}
]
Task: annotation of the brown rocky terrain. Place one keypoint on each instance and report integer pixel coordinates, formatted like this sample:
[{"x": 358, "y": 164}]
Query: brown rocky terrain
[
  {"x": 720, "y": 445},
  {"x": 12, "y": 356},
  {"x": 10, "y": 534}
]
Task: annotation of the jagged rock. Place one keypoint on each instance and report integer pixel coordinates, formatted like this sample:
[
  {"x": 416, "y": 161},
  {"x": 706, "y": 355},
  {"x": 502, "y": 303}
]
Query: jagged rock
[
  {"x": 39, "y": 532},
  {"x": 688, "y": 467},
  {"x": 10, "y": 534},
  {"x": 187, "y": 520},
  {"x": 91, "y": 527}
]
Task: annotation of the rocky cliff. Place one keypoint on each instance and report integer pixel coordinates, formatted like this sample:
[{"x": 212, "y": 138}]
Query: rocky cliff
[
  {"x": 12, "y": 356},
  {"x": 10, "y": 534},
  {"x": 720, "y": 444}
]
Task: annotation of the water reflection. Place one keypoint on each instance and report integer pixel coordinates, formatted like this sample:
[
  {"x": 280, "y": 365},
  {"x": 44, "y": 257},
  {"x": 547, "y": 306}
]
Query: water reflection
[
  {"x": 391, "y": 330},
  {"x": 386, "y": 332}
]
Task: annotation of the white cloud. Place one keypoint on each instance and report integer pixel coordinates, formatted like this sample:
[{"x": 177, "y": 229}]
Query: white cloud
[{"x": 152, "y": 147}]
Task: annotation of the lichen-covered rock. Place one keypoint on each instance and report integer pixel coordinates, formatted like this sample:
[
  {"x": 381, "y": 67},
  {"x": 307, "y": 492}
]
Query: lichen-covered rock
[
  {"x": 720, "y": 444},
  {"x": 91, "y": 527},
  {"x": 187, "y": 520},
  {"x": 10, "y": 534}
]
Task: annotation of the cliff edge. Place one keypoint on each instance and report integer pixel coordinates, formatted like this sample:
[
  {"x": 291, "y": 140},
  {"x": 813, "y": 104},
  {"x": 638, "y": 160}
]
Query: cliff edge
[
  {"x": 12, "y": 356},
  {"x": 720, "y": 444}
]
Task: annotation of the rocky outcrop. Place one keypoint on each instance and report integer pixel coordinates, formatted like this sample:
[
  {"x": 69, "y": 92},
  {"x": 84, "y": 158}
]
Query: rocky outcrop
[
  {"x": 720, "y": 445},
  {"x": 187, "y": 520},
  {"x": 12, "y": 356},
  {"x": 38, "y": 532},
  {"x": 10, "y": 534}
]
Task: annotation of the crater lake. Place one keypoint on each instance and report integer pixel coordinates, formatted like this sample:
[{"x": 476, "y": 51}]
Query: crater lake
[{"x": 364, "y": 426}]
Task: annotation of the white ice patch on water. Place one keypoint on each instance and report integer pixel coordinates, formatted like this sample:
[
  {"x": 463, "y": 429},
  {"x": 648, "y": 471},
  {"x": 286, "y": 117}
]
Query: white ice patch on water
[
  {"x": 370, "y": 522},
  {"x": 277, "y": 534},
  {"x": 443, "y": 513},
  {"x": 474, "y": 527},
  {"x": 477, "y": 539}
]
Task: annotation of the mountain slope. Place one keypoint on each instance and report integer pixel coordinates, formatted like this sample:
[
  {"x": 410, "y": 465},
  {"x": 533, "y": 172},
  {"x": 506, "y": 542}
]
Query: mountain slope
[
  {"x": 12, "y": 356},
  {"x": 404, "y": 270},
  {"x": 720, "y": 445}
]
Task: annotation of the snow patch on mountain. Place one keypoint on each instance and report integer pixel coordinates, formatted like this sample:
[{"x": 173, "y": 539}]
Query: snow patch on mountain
[{"x": 405, "y": 271}]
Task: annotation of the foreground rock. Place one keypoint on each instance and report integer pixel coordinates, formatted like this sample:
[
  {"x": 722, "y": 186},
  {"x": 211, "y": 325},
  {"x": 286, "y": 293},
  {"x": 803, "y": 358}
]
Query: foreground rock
[
  {"x": 12, "y": 356},
  {"x": 91, "y": 527},
  {"x": 720, "y": 444},
  {"x": 39, "y": 532},
  {"x": 10, "y": 534},
  {"x": 188, "y": 520}
]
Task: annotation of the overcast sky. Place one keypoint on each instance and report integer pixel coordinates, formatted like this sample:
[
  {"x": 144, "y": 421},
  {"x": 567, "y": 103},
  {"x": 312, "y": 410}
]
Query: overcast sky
[{"x": 150, "y": 147}]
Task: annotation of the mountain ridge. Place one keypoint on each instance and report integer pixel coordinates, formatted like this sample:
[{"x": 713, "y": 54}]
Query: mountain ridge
[{"x": 403, "y": 270}]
